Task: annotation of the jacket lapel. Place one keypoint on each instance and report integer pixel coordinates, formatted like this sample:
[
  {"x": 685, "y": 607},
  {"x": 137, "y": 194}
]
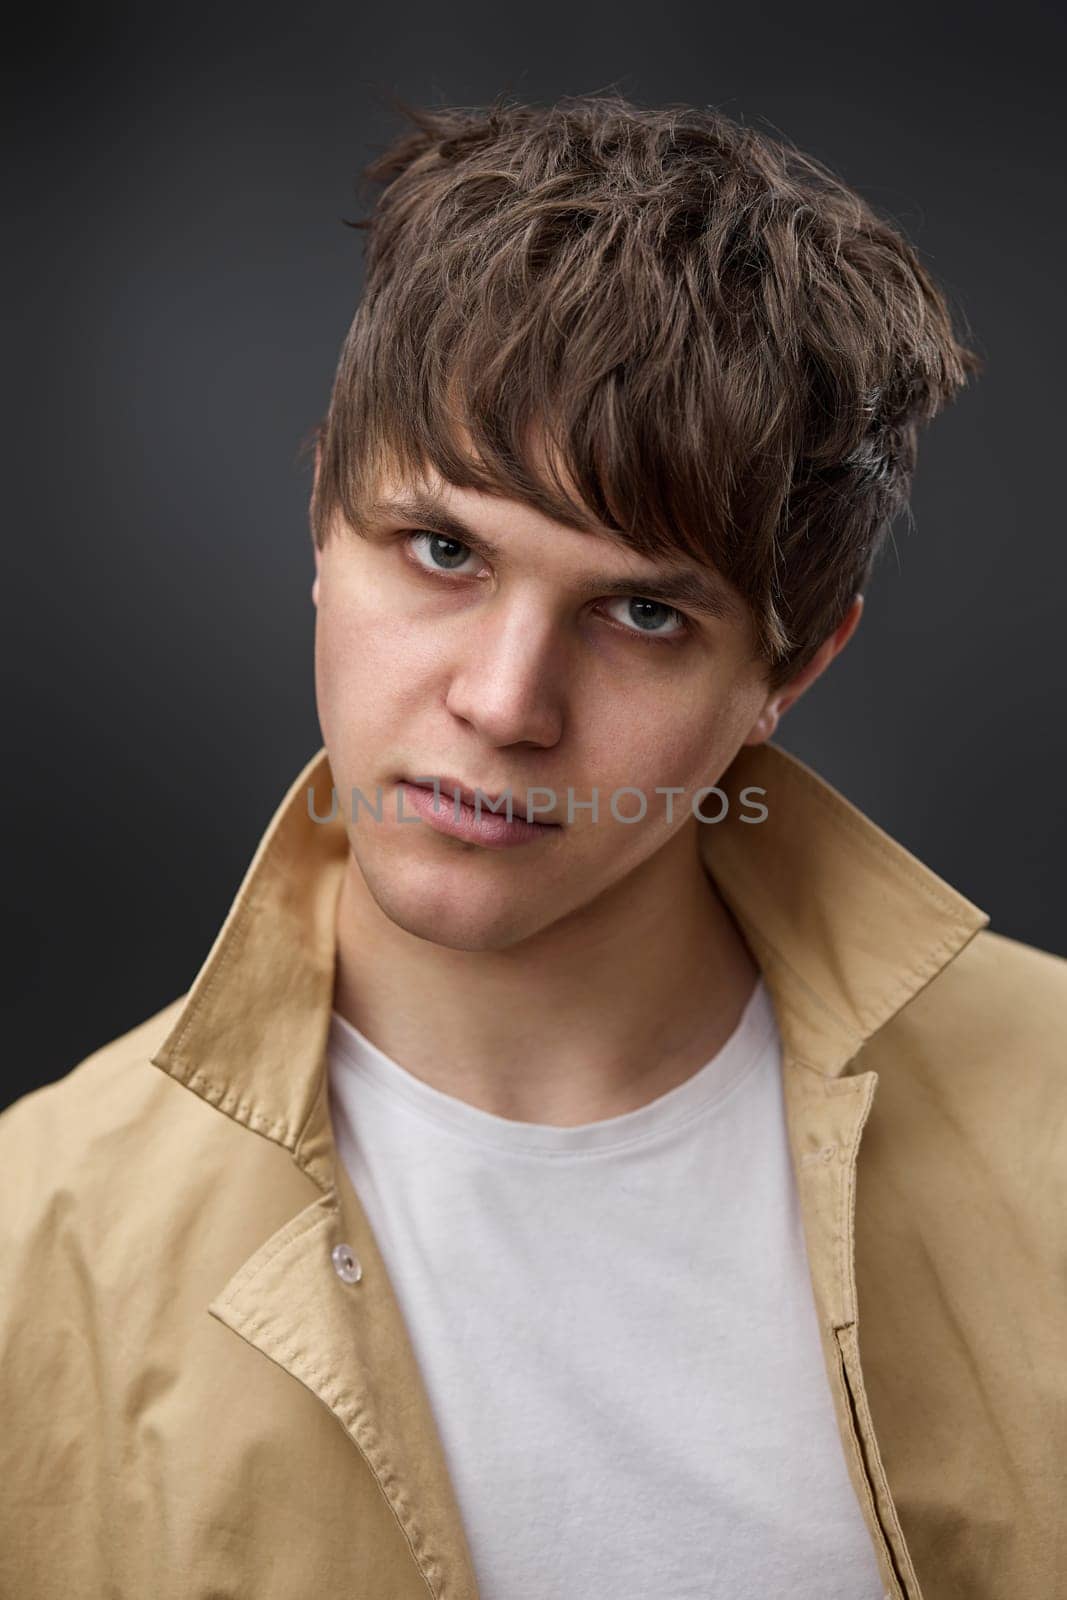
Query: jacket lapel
[{"x": 346, "y": 1342}]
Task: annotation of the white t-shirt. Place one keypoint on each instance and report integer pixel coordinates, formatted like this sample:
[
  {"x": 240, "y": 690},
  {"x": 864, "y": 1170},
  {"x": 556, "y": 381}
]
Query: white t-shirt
[{"x": 617, "y": 1332}]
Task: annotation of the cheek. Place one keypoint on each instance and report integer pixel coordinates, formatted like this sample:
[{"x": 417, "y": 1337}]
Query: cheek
[
  {"x": 359, "y": 641},
  {"x": 689, "y": 742},
  {"x": 373, "y": 671}
]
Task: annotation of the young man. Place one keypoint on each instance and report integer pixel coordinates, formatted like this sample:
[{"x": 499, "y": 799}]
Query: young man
[{"x": 659, "y": 1193}]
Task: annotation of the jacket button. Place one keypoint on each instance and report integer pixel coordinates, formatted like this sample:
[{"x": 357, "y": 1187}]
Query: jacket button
[{"x": 346, "y": 1263}]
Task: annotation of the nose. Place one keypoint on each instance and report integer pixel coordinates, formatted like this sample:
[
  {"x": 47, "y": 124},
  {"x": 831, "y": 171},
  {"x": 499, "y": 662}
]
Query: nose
[{"x": 508, "y": 679}]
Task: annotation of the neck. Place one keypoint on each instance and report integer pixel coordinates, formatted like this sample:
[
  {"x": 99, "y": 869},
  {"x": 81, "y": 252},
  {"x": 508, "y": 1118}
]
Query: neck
[{"x": 595, "y": 1016}]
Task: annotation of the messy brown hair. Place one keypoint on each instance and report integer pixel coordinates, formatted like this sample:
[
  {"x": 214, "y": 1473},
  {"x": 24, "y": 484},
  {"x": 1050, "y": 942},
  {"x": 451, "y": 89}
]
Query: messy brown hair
[{"x": 728, "y": 353}]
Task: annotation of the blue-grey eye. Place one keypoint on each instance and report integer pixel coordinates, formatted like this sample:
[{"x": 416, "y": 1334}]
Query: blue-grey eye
[
  {"x": 649, "y": 617},
  {"x": 446, "y": 554},
  {"x": 639, "y": 612},
  {"x": 446, "y": 550}
]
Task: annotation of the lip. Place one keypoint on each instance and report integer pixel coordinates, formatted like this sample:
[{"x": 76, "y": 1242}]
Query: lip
[
  {"x": 484, "y": 827},
  {"x": 448, "y": 787}
]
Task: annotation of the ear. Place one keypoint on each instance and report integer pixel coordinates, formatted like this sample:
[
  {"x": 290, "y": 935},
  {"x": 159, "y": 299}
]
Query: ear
[
  {"x": 318, "y": 574},
  {"x": 780, "y": 701}
]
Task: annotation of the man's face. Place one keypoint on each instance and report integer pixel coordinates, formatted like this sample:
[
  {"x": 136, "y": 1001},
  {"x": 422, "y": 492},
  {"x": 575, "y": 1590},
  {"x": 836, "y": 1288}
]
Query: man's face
[{"x": 516, "y": 671}]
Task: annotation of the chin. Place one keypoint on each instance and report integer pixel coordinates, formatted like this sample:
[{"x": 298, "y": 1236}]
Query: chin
[{"x": 445, "y": 911}]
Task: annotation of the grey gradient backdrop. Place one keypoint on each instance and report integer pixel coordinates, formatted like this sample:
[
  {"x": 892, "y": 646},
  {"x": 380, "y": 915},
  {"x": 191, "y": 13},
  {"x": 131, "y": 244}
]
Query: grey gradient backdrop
[{"x": 179, "y": 282}]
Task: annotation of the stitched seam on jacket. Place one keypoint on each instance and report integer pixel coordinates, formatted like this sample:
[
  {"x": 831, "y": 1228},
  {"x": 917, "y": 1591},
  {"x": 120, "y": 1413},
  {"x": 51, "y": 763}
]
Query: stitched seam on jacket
[
  {"x": 368, "y": 1442},
  {"x": 860, "y": 1413},
  {"x": 875, "y": 1016},
  {"x": 226, "y": 953},
  {"x": 292, "y": 1233},
  {"x": 886, "y": 846},
  {"x": 868, "y": 1495}
]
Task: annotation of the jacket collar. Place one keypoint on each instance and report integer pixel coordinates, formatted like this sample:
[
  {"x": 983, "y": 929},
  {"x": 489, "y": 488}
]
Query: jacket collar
[{"x": 847, "y": 926}]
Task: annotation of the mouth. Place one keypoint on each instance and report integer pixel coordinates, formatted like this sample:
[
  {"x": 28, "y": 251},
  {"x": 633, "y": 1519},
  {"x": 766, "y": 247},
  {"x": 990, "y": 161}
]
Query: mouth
[
  {"x": 469, "y": 817},
  {"x": 490, "y": 801}
]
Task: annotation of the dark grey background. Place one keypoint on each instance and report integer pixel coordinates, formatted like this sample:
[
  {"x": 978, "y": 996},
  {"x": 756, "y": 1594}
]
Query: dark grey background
[{"x": 179, "y": 282}]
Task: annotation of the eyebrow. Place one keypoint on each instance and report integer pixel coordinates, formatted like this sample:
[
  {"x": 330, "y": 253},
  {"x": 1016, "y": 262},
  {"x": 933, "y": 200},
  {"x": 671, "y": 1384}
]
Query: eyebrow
[{"x": 689, "y": 587}]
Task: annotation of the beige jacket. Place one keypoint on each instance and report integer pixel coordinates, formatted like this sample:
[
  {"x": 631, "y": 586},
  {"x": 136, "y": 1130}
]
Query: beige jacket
[{"x": 203, "y": 1398}]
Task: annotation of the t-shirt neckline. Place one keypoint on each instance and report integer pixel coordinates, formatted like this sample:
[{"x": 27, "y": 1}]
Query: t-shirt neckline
[{"x": 355, "y": 1059}]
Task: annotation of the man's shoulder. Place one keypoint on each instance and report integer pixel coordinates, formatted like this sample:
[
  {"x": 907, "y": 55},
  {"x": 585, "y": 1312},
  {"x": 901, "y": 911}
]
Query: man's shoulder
[
  {"x": 119, "y": 1184},
  {"x": 88, "y": 1091},
  {"x": 964, "y": 1159},
  {"x": 995, "y": 956},
  {"x": 78, "y": 1142},
  {"x": 994, "y": 1015},
  {"x": 997, "y": 992}
]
